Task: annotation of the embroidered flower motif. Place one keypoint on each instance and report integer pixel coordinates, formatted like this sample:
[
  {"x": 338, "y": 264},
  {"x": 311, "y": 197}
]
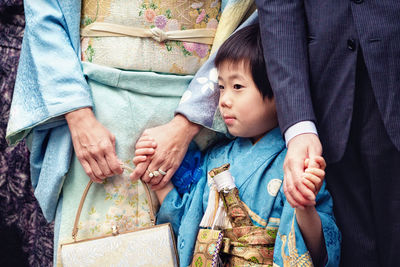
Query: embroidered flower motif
[
  {"x": 186, "y": 96},
  {"x": 214, "y": 4},
  {"x": 172, "y": 25},
  {"x": 201, "y": 16},
  {"x": 201, "y": 50},
  {"x": 210, "y": 82},
  {"x": 149, "y": 14},
  {"x": 160, "y": 21},
  {"x": 212, "y": 24},
  {"x": 193, "y": 13},
  {"x": 197, "y": 5},
  {"x": 189, "y": 46},
  {"x": 273, "y": 187}
]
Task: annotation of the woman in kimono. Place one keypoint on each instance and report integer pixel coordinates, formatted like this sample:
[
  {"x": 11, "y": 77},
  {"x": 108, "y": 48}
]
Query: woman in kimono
[
  {"x": 259, "y": 225},
  {"x": 91, "y": 78}
]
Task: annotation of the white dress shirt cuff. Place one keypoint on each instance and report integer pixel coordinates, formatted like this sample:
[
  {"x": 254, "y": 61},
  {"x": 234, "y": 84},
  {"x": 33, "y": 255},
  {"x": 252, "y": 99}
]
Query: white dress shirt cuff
[{"x": 301, "y": 127}]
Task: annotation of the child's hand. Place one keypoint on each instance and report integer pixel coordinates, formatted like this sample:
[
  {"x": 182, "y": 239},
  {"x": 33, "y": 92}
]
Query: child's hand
[
  {"x": 314, "y": 173},
  {"x": 145, "y": 147}
]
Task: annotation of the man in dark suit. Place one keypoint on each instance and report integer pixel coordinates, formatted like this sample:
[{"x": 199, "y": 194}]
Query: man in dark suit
[{"x": 336, "y": 64}]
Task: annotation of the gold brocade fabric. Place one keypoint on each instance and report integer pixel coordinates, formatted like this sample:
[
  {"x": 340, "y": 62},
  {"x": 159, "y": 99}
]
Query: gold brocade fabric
[
  {"x": 135, "y": 53},
  {"x": 248, "y": 244},
  {"x": 235, "y": 209},
  {"x": 242, "y": 245}
]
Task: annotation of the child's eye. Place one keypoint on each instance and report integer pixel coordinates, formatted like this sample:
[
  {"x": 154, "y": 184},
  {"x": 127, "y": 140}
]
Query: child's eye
[
  {"x": 221, "y": 87},
  {"x": 238, "y": 86}
]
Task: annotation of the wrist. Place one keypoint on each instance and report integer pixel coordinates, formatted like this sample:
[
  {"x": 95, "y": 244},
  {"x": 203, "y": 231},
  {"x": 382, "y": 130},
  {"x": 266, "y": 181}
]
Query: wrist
[
  {"x": 305, "y": 211},
  {"x": 190, "y": 128},
  {"x": 163, "y": 192},
  {"x": 78, "y": 115}
]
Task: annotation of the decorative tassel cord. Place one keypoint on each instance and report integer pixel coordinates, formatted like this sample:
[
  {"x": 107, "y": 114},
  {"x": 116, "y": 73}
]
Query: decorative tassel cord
[
  {"x": 215, "y": 215},
  {"x": 224, "y": 181}
]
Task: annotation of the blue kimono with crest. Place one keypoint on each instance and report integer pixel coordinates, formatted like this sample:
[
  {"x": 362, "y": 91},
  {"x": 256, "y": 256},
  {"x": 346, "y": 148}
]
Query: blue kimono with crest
[{"x": 258, "y": 172}]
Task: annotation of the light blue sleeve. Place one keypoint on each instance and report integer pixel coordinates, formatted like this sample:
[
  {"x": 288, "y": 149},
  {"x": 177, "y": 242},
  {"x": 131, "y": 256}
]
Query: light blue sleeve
[
  {"x": 290, "y": 247},
  {"x": 50, "y": 81},
  {"x": 184, "y": 213},
  {"x": 200, "y": 101}
]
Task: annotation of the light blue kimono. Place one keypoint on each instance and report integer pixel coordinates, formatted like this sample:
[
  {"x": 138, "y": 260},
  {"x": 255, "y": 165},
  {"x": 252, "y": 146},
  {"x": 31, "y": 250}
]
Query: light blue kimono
[{"x": 258, "y": 173}]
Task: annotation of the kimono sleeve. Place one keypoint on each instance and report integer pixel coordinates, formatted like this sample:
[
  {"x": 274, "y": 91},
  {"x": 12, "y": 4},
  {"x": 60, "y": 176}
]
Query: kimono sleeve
[
  {"x": 50, "y": 81},
  {"x": 187, "y": 195},
  {"x": 184, "y": 212},
  {"x": 290, "y": 248}
]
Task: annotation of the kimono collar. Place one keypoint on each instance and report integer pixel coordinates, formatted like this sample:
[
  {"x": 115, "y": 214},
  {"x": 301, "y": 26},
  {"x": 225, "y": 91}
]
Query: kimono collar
[
  {"x": 254, "y": 156},
  {"x": 270, "y": 144}
]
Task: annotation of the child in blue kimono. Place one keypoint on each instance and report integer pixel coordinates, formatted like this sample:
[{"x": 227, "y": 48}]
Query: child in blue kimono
[{"x": 294, "y": 237}]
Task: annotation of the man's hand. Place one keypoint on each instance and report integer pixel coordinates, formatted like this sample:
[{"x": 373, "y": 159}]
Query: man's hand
[
  {"x": 171, "y": 141},
  {"x": 300, "y": 147},
  {"x": 94, "y": 145}
]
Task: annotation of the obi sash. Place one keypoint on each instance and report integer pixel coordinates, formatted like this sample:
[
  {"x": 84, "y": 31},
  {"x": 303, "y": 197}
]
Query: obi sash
[{"x": 168, "y": 36}]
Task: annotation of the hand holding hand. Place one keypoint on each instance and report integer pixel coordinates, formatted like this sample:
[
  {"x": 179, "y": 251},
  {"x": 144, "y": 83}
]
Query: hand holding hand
[
  {"x": 313, "y": 177},
  {"x": 171, "y": 143},
  {"x": 300, "y": 148},
  {"x": 94, "y": 145}
]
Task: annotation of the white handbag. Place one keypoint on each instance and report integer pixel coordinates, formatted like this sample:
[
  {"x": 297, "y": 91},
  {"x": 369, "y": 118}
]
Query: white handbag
[{"x": 149, "y": 246}]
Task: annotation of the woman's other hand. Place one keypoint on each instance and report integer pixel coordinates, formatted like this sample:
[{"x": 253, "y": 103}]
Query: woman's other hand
[
  {"x": 94, "y": 145},
  {"x": 172, "y": 141}
]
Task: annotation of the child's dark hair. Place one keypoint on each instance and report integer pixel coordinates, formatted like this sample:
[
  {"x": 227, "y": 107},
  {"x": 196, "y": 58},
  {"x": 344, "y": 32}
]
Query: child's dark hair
[{"x": 245, "y": 45}]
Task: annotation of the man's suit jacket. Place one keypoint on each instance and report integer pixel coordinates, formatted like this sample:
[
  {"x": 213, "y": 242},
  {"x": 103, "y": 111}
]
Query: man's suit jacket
[{"x": 311, "y": 48}]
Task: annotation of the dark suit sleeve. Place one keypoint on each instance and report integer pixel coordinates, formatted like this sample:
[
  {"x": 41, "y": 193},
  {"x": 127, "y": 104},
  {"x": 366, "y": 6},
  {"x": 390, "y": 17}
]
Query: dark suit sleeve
[{"x": 284, "y": 38}]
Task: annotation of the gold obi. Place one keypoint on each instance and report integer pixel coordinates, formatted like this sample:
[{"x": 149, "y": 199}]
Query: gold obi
[{"x": 170, "y": 36}]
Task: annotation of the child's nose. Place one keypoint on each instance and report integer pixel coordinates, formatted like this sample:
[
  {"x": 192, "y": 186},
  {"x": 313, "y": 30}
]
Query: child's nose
[{"x": 225, "y": 100}]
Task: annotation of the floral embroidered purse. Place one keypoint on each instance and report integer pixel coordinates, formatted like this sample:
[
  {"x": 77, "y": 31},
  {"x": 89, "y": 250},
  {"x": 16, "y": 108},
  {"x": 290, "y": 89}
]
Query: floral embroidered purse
[{"x": 149, "y": 246}]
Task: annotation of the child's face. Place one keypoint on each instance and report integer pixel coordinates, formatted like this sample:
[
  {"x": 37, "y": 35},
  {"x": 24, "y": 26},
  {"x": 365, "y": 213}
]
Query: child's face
[{"x": 246, "y": 113}]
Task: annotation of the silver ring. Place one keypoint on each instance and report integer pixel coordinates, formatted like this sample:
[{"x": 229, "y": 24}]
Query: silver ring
[
  {"x": 151, "y": 174},
  {"x": 156, "y": 173},
  {"x": 162, "y": 172}
]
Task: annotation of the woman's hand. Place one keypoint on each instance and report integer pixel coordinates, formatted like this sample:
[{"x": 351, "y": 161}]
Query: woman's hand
[
  {"x": 94, "y": 145},
  {"x": 172, "y": 141}
]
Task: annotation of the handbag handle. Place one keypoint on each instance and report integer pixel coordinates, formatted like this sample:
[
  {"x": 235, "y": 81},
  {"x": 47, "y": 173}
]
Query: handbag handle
[{"x": 85, "y": 192}]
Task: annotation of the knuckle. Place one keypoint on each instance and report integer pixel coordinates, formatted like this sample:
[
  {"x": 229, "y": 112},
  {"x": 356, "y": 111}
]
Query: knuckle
[
  {"x": 289, "y": 188},
  {"x": 175, "y": 165},
  {"x": 79, "y": 155},
  {"x": 297, "y": 183},
  {"x": 104, "y": 147},
  {"x": 93, "y": 151}
]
